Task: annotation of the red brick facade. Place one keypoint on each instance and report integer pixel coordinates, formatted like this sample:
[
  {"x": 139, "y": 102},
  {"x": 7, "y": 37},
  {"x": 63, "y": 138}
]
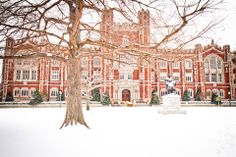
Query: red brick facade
[{"x": 211, "y": 68}]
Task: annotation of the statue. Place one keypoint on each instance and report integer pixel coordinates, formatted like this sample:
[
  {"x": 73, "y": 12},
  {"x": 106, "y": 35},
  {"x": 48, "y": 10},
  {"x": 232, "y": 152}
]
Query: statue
[{"x": 170, "y": 85}]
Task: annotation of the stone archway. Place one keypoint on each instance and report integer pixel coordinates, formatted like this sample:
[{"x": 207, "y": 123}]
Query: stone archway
[{"x": 125, "y": 95}]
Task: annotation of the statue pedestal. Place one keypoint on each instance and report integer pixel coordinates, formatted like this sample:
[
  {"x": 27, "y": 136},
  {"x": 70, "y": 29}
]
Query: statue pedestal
[{"x": 171, "y": 104}]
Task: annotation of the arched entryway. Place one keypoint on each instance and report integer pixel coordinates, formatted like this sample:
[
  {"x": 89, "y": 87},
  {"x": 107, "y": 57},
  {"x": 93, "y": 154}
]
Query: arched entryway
[{"x": 125, "y": 95}]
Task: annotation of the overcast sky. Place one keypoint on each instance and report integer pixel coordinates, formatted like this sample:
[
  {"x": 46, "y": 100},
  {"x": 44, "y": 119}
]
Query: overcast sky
[{"x": 226, "y": 33}]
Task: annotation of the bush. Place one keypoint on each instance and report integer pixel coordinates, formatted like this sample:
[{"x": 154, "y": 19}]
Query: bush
[
  {"x": 186, "y": 96},
  {"x": 106, "y": 99},
  {"x": 62, "y": 95},
  {"x": 9, "y": 97},
  {"x": 214, "y": 98},
  {"x": 155, "y": 99},
  {"x": 96, "y": 95},
  {"x": 37, "y": 98},
  {"x": 198, "y": 96}
]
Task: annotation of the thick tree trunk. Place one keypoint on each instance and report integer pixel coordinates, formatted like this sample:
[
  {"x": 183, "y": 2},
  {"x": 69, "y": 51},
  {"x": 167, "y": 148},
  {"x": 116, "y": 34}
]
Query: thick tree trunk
[{"x": 74, "y": 113}]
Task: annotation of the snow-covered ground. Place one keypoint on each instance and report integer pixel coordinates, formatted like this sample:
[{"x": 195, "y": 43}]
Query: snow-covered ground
[{"x": 119, "y": 132}]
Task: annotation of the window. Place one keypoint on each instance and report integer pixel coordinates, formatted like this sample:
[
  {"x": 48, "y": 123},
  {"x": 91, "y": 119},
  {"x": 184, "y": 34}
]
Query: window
[
  {"x": 18, "y": 74},
  {"x": 214, "y": 69},
  {"x": 26, "y": 74},
  {"x": 66, "y": 92},
  {"x": 18, "y": 62},
  {"x": 163, "y": 76},
  {"x": 125, "y": 40},
  {"x": 122, "y": 76},
  {"x": 213, "y": 62},
  {"x": 84, "y": 75},
  {"x": 96, "y": 62},
  {"x": 16, "y": 92},
  {"x": 55, "y": 63},
  {"x": 34, "y": 75},
  {"x": 208, "y": 92},
  {"x": 188, "y": 77},
  {"x": 206, "y": 64},
  {"x": 55, "y": 75},
  {"x": 222, "y": 93},
  {"x": 176, "y": 77},
  {"x": 54, "y": 92},
  {"x": 188, "y": 64},
  {"x": 129, "y": 76},
  {"x": 219, "y": 64},
  {"x": 207, "y": 77},
  {"x": 163, "y": 64},
  {"x": 26, "y": 62},
  {"x": 213, "y": 77},
  {"x": 215, "y": 91},
  {"x": 178, "y": 91},
  {"x": 32, "y": 90},
  {"x": 163, "y": 92},
  {"x": 190, "y": 92},
  {"x": 152, "y": 76},
  {"x": 24, "y": 92},
  {"x": 219, "y": 77},
  {"x": 84, "y": 62},
  {"x": 96, "y": 75},
  {"x": 175, "y": 65}
]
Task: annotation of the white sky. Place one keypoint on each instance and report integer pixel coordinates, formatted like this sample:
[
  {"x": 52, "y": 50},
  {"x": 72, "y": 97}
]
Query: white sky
[{"x": 226, "y": 31}]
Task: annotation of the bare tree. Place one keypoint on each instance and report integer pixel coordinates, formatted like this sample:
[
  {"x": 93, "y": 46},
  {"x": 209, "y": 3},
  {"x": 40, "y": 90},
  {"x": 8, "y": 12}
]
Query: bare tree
[{"x": 75, "y": 24}]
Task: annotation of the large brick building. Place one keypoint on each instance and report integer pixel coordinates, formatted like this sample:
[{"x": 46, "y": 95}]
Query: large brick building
[{"x": 210, "y": 68}]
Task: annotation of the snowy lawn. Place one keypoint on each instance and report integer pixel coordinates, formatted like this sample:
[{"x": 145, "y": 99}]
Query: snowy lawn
[{"x": 119, "y": 132}]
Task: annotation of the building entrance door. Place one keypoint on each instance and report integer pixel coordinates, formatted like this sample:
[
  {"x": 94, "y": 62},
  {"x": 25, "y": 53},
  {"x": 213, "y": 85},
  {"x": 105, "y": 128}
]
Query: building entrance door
[{"x": 126, "y": 95}]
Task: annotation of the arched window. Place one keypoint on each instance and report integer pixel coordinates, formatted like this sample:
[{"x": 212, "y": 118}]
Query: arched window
[
  {"x": 190, "y": 92},
  {"x": 16, "y": 92},
  {"x": 214, "y": 69},
  {"x": 84, "y": 62},
  {"x": 24, "y": 92},
  {"x": 32, "y": 90},
  {"x": 216, "y": 91},
  {"x": 208, "y": 93},
  {"x": 96, "y": 62},
  {"x": 53, "y": 92},
  {"x": 222, "y": 93}
]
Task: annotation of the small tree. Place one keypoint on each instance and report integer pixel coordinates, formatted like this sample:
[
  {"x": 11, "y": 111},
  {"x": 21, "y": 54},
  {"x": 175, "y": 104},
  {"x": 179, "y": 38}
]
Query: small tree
[
  {"x": 186, "y": 96},
  {"x": 62, "y": 95},
  {"x": 198, "y": 95},
  {"x": 155, "y": 99},
  {"x": 9, "y": 97},
  {"x": 213, "y": 98},
  {"x": 106, "y": 99},
  {"x": 96, "y": 95},
  {"x": 37, "y": 98}
]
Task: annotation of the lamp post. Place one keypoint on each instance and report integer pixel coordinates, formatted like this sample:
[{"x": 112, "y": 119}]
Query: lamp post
[
  {"x": 60, "y": 97},
  {"x": 229, "y": 98}
]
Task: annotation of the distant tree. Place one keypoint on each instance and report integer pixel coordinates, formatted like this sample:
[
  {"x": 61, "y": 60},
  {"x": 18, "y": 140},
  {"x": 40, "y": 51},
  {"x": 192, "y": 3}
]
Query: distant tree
[
  {"x": 106, "y": 99},
  {"x": 186, "y": 96},
  {"x": 214, "y": 98},
  {"x": 155, "y": 99},
  {"x": 96, "y": 95},
  {"x": 198, "y": 95},
  {"x": 62, "y": 95},
  {"x": 9, "y": 97},
  {"x": 37, "y": 98}
]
